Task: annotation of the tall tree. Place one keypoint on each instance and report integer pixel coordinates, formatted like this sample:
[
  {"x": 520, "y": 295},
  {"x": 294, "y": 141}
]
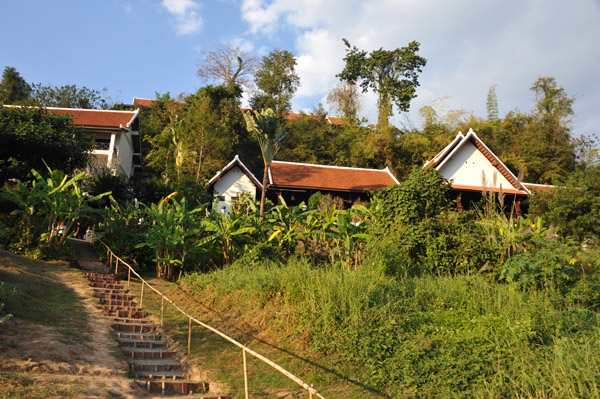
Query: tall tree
[
  {"x": 276, "y": 80},
  {"x": 68, "y": 96},
  {"x": 228, "y": 64},
  {"x": 392, "y": 74},
  {"x": 264, "y": 126},
  {"x": 344, "y": 99},
  {"x": 491, "y": 104},
  {"x": 13, "y": 88}
]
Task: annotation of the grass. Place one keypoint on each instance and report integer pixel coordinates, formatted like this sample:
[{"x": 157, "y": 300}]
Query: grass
[
  {"x": 222, "y": 361},
  {"x": 32, "y": 292},
  {"x": 17, "y": 385}
]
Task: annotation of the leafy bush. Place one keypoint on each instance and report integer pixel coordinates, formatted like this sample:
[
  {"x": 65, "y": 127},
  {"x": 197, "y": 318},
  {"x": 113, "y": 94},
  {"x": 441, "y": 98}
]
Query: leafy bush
[{"x": 423, "y": 195}]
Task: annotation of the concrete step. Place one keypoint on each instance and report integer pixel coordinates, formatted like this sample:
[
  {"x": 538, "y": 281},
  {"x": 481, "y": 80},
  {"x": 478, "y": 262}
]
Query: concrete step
[
  {"x": 135, "y": 327},
  {"x": 125, "y": 320},
  {"x": 141, "y": 343},
  {"x": 148, "y": 353},
  {"x": 131, "y": 314},
  {"x": 180, "y": 387},
  {"x": 160, "y": 375},
  {"x": 142, "y": 336},
  {"x": 155, "y": 365},
  {"x": 116, "y": 302}
]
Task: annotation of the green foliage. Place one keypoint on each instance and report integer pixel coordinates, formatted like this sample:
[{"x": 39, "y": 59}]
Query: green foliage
[
  {"x": 276, "y": 80},
  {"x": 314, "y": 200},
  {"x": 392, "y": 74},
  {"x": 422, "y": 196},
  {"x": 458, "y": 337},
  {"x": 33, "y": 137},
  {"x": 13, "y": 88},
  {"x": 573, "y": 208},
  {"x": 67, "y": 96},
  {"x": 552, "y": 264},
  {"x": 48, "y": 208}
]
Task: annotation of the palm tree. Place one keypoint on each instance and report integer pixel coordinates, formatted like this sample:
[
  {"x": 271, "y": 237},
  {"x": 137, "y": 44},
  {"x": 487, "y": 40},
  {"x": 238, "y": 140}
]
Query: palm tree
[{"x": 264, "y": 125}]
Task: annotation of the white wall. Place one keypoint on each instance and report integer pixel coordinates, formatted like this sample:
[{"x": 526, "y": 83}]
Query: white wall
[
  {"x": 467, "y": 165},
  {"x": 125, "y": 150},
  {"x": 231, "y": 184}
]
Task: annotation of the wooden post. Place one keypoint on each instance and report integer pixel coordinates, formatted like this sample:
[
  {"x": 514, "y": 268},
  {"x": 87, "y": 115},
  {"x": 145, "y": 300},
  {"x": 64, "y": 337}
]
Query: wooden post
[
  {"x": 128, "y": 276},
  {"x": 117, "y": 266},
  {"x": 110, "y": 262},
  {"x": 162, "y": 311},
  {"x": 245, "y": 374},
  {"x": 107, "y": 253},
  {"x": 190, "y": 337},
  {"x": 142, "y": 296},
  {"x": 310, "y": 395}
]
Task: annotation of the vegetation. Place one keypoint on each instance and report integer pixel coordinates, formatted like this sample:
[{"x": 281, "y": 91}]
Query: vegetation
[
  {"x": 397, "y": 297},
  {"x": 33, "y": 137}
]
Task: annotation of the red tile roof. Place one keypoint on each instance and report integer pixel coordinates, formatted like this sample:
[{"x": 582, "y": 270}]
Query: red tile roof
[
  {"x": 330, "y": 178},
  {"x": 144, "y": 102},
  {"x": 100, "y": 118}
]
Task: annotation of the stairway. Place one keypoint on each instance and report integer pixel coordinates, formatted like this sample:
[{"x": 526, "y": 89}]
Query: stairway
[{"x": 153, "y": 364}]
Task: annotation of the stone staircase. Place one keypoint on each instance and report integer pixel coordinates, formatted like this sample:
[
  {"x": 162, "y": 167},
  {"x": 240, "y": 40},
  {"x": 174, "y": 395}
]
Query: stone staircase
[{"x": 152, "y": 362}]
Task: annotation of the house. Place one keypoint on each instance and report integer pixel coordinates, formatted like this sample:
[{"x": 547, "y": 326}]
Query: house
[
  {"x": 473, "y": 169},
  {"x": 234, "y": 179},
  {"x": 296, "y": 182},
  {"x": 116, "y": 134},
  {"x": 117, "y": 139}
]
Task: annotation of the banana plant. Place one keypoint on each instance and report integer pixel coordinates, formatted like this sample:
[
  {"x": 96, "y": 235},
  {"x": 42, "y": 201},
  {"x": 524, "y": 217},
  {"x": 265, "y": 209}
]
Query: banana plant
[
  {"x": 286, "y": 225},
  {"x": 172, "y": 234},
  {"x": 223, "y": 231}
]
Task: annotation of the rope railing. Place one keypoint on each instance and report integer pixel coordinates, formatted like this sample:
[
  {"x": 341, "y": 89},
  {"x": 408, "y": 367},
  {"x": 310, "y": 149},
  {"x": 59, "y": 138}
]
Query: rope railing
[{"x": 245, "y": 350}]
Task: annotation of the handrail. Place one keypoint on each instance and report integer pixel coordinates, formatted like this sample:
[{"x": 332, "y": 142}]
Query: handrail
[{"x": 244, "y": 348}]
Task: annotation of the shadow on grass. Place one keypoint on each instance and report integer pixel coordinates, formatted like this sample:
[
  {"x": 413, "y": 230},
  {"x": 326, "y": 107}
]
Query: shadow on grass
[{"x": 249, "y": 335}]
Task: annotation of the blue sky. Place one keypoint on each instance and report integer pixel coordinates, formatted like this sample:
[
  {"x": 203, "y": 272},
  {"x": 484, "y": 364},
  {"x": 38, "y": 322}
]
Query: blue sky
[{"x": 135, "y": 48}]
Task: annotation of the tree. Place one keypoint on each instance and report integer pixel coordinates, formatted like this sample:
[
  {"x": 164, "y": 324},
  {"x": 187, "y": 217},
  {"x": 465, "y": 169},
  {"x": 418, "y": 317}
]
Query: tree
[
  {"x": 31, "y": 137},
  {"x": 393, "y": 75},
  {"x": 264, "y": 126},
  {"x": 68, "y": 96},
  {"x": 491, "y": 104},
  {"x": 228, "y": 64},
  {"x": 277, "y": 81},
  {"x": 344, "y": 99},
  {"x": 13, "y": 88}
]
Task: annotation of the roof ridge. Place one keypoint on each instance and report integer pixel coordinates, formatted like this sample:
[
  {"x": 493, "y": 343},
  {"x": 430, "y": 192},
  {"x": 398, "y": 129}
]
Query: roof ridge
[{"x": 332, "y": 166}]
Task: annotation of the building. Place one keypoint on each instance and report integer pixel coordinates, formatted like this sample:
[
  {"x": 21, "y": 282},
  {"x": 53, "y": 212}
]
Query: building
[
  {"x": 117, "y": 139},
  {"x": 235, "y": 178},
  {"x": 296, "y": 182},
  {"x": 473, "y": 169}
]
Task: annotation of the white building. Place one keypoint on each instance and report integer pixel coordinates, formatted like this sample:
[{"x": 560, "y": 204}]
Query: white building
[
  {"x": 117, "y": 139},
  {"x": 231, "y": 181}
]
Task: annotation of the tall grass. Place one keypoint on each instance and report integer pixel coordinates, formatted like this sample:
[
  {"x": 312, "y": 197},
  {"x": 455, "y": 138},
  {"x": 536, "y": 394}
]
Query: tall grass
[{"x": 455, "y": 336}]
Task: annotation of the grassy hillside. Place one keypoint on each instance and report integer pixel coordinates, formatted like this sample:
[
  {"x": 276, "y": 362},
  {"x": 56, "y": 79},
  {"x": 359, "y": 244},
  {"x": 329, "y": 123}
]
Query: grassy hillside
[{"x": 357, "y": 334}]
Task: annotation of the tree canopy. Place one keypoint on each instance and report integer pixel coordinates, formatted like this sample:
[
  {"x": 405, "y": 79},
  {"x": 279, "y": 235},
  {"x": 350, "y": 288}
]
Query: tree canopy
[
  {"x": 276, "y": 80},
  {"x": 31, "y": 137},
  {"x": 392, "y": 74},
  {"x": 13, "y": 88}
]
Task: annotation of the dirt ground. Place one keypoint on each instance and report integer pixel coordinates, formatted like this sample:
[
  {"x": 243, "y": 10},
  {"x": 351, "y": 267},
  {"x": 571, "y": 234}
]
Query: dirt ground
[{"x": 93, "y": 365}]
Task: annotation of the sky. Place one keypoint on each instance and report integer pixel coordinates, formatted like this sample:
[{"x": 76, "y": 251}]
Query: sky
[{"x": 137, "y": 48}]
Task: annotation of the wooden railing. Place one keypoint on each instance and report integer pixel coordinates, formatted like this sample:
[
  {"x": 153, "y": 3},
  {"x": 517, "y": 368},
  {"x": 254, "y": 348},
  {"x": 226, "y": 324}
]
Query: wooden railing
[{"x": 110, "y": 255}]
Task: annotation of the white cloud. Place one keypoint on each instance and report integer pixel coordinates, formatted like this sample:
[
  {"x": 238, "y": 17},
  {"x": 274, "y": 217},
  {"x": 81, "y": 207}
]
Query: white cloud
[
  {"x": 469, "y": 46},
  {"x": 185, "y": 12}
]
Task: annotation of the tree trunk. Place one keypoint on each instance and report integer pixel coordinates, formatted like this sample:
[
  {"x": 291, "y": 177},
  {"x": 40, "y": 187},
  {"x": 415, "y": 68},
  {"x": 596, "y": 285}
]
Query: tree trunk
[{"x": 264, "y": 191}]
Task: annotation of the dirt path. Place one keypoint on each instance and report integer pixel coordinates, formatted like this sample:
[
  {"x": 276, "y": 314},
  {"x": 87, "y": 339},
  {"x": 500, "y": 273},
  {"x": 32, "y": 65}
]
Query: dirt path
[{"x": 90, "y": 362}]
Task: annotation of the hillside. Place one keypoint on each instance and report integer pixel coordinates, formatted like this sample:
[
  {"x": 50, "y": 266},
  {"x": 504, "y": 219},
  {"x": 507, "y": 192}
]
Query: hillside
[{"x": 56, "y": 344}]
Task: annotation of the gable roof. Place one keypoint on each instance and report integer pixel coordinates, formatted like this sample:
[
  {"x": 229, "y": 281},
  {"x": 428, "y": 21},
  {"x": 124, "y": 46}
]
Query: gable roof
[
  {"x": 144, "y": 102},
  {"x": 236, "y": 161},
  {"x": 443, "y": 158},
  {"x": 330, "y": 178},
  {"x": 95, "y": 117},
  {"x": 98, "y": 118}
]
